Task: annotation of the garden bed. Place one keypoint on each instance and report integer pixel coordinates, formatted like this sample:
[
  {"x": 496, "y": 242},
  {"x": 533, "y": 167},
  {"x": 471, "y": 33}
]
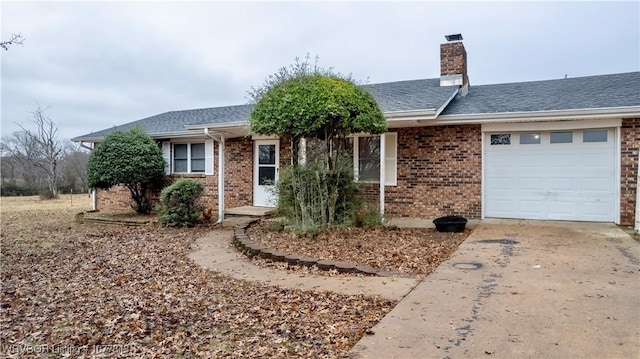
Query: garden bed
[{"x": 416, "y": 251}]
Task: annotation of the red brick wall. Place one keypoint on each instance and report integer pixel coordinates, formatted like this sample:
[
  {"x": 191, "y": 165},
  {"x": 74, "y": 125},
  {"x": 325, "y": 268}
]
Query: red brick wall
[
  {"x": 114, "y": 199},
  {"x": 453, "y": 60},
  {"x": 238, "y": 179},
  {"x": 238, "y": 172},
  {"x": 439, "y": 173},
  {"x": 630, "y": 136}
]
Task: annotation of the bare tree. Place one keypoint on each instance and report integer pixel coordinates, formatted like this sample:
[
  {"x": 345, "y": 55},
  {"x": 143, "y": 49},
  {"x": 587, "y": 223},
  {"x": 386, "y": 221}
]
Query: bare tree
[
  {"x": 15, "y": 39},
  {"x": 74, "y": 168},
  {"x": 41, "y": 147}
]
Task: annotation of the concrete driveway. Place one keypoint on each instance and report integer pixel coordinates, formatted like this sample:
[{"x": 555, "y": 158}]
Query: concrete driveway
[{"x": 522, "y": 289}]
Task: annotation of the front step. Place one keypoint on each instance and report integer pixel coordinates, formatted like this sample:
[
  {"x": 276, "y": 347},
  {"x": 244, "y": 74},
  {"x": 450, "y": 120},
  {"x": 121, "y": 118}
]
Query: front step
[{"x": 250, "y": 211}]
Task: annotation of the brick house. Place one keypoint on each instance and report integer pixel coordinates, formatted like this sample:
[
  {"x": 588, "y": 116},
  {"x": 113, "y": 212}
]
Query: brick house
[{"x": 564, "y": 149}]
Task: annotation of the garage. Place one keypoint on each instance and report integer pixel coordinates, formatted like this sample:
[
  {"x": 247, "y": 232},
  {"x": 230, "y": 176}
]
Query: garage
[{"x": 551, "y": 175}]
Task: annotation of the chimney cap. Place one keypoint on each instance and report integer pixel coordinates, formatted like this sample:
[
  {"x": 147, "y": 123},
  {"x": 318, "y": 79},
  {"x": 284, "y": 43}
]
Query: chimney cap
[{"x": 453, "y": 37}]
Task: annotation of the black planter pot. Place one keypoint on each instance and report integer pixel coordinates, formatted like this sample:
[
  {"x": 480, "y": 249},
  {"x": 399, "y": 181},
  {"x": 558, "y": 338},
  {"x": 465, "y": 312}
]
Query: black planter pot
[{"x": 450, "y": 224}]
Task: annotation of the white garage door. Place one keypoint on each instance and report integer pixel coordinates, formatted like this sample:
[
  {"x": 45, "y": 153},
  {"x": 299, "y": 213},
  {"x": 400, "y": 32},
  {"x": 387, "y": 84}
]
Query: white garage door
[{"x": 556, "y": 175}]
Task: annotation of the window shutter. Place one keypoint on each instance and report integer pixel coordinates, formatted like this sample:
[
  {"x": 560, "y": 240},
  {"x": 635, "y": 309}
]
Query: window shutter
[
  {"x": 208, "y": 157},
  {"x": 391, "y": 159},
  {"x": 166, "y": 154}
]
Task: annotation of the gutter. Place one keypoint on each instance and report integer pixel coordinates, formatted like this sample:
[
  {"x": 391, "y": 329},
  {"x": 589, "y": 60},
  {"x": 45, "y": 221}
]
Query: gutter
[
  {"x": 627, "y": 111},
  {"x": 424, "y": 113},
  {"x": 155, "y": 135},
  {"x": 217, "y": 125}
]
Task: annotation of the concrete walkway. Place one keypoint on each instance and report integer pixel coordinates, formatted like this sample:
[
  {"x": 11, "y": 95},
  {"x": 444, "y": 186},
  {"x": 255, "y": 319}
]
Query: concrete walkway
[
  {"x": 215, "y": 252},
  {"x": 522, "y": 289}
]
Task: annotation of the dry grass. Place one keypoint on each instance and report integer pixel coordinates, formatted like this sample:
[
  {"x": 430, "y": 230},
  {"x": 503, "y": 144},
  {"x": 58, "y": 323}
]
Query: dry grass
[
  {"x": 107, "y": 291},
  {"x": 81, "y": 202}
]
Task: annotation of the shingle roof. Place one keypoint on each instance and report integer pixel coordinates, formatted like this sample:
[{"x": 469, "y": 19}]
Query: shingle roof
[
  {"x": 410, "y": 95},
  {"x": 604, "y": 91},
  {"x": 175, "y": 121}
]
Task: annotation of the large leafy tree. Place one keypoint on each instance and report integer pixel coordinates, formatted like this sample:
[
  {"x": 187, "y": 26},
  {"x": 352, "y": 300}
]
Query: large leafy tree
[
  {"x": 304, "y": 101},
  {"x": 131, "y": 159},
  {"x": 308, "y": 101}
]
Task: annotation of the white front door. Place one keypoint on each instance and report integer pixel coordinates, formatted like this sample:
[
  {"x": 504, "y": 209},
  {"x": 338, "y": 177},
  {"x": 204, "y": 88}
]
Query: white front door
[{"x": 266, "y": 159}]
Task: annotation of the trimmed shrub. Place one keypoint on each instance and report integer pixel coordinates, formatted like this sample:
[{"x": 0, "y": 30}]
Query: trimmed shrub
[
  {"x": 180, "y": 203},
  {"x": 132, "y": 159}
]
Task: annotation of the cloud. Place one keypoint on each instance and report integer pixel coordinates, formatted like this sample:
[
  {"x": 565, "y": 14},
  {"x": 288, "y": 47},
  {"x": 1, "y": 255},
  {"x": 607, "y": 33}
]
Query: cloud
[{"x": 97, "y": 64}]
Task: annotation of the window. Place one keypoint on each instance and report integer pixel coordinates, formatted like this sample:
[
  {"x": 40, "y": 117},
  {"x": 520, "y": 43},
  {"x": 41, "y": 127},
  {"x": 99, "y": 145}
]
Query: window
[
  {"x": 501, "y": 139},
  {"x": 190, "y": 157},
  {"x": 561, "y": 137},
  {"x": 180, "y": 158},
  {"x": 197, "y": 157},
  {"x": 367, "y": 158},
  {"x": 594, "y": 136},
  {"x": 529, "y": 138}
]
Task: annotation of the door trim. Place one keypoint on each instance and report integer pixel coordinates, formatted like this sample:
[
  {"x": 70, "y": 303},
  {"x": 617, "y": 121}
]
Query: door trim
[{"x": 257, "y": 197}]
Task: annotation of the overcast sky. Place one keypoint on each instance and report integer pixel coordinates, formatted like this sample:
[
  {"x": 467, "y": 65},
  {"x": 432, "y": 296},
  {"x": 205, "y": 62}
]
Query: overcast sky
[{"x": 100, "y": 64}]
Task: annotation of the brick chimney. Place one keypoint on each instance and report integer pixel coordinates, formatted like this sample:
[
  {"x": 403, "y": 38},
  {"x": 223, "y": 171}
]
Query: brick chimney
[{"x": 453, "y": 62}]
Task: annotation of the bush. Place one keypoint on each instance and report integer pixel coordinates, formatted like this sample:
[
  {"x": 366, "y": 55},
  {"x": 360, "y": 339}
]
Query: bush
[
  {"x": 180, "y": 203},
  {"x": 313, "y": 198},
  {"x": 47, "y": 194},
  {"x": 132, "y": 159},
  {"x": 13, "y": 189},
  {"x": 368, "y": 216}
]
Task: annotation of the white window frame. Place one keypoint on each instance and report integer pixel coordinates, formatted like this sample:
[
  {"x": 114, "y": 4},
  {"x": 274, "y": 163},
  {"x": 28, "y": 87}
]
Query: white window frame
[
  {"x": 390, "y": 160},
  {"x": 168, "y": 149}
]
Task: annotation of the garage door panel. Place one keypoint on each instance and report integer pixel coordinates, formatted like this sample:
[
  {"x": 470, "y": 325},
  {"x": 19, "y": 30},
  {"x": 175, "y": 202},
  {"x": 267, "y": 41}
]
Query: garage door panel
[
  {"x": 532, "y": 208},
  {"x": 593, "y": 210},
  {"x": 563, "y": 183},
  {"x": 561, "y": 209},
  {"x": 560, "y": 160},
  {"x": 506, "y": 183},
  {"x": 596, "y": 159},
  {"x": 502, "y": 208},
  {"x": 574, "y": 181},
  {"x": 531, "y": 183},
  {"x": 531, "y": 161},
  {"x": 597, "y": 184}
]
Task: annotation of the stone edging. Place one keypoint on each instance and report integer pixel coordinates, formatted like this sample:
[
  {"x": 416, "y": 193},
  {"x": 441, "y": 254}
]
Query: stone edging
[{"x": 253, "y": 249}]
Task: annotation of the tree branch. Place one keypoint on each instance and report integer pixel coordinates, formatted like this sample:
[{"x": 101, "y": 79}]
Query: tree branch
[{"x": 16, "y": 39}]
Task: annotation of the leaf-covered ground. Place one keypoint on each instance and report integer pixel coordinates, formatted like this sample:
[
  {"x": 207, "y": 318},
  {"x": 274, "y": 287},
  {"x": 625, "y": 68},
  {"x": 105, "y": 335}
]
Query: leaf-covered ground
[
  {"x": 96, "y": 291},
  {"x": 405, "y": 250}
]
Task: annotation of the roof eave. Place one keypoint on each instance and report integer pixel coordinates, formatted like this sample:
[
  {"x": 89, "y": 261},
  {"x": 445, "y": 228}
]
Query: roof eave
[
  {"x": 554, "y": 115},
  {"x": 154, "y": 135}
]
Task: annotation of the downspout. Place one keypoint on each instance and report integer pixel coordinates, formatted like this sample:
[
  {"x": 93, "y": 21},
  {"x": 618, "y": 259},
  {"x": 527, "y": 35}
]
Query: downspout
[
  {"x": 382, "y": 173},
  {"x": 221, "y": 148},
  {"x": 638, "y": 195},
  {"x": 94, "y": 195},
  {"x": 221, "y": 179}
]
